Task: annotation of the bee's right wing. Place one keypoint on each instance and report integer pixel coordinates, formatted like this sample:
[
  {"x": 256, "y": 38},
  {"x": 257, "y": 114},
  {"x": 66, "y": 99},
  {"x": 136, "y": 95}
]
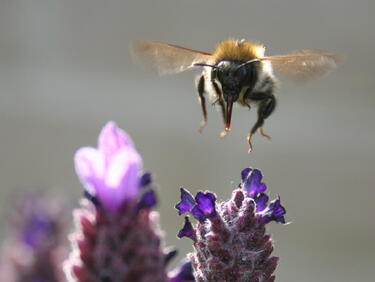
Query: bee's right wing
[
  {"x": 304, "y": 65},
  {"x": 166, "y": 58}
]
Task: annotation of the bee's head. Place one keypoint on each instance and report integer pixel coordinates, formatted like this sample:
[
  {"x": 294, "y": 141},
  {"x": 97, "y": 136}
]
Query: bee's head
[
  {"x": 233, "y": 77},
  {"x": 230, "y": 78}
]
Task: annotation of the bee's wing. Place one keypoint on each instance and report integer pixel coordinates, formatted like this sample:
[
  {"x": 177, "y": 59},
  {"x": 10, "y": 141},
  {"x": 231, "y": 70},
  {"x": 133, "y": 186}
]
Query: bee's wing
[
  {"x": 304, "y": 65},
  {"x": 165, "y": 58}
]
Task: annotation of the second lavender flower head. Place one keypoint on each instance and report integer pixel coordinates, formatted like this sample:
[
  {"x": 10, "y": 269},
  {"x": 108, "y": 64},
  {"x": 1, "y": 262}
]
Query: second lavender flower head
[{"x": 229, "y": 240}]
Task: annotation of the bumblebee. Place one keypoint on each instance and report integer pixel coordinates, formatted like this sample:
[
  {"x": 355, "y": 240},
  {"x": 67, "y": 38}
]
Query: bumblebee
[{"x": 236, "y": 72}]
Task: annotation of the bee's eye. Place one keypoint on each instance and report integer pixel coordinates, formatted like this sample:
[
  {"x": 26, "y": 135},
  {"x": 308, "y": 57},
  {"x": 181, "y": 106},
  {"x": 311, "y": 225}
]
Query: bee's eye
[
  {"x": 241, "y": 72},
  {"x": 224, "y": 74}
]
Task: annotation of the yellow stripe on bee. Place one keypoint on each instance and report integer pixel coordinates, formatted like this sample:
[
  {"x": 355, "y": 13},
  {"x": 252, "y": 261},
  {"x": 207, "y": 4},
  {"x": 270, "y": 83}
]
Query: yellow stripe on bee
[{"x": 238, "y": 50}]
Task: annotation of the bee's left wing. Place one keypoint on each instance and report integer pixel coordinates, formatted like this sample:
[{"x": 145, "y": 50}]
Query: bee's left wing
[
  {"x": 304, "y": 65},
  {"x": 166, "y": 58}
]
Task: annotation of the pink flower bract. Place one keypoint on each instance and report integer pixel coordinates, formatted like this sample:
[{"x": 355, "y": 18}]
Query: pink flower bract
[{"x": 110, "y": 172}]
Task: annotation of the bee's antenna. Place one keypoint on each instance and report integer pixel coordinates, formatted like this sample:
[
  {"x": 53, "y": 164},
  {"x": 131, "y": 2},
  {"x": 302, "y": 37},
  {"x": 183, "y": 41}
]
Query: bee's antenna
[
  {"x": 249, "y": 62},
  {"x": 205, "y": 65}
]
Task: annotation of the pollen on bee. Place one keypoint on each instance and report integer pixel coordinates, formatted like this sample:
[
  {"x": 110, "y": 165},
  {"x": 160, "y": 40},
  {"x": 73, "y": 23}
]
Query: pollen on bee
[{"x": 238, "y": 50}]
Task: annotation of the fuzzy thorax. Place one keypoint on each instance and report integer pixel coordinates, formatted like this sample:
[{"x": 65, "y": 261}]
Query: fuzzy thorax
[{"x": 238, "y": 50}]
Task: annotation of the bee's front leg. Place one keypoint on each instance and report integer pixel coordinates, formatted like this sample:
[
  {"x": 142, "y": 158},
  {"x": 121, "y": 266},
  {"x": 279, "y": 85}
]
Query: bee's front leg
[
  {"x": 221, "y": 103},
  {"x": 219, "y": 98},
  {"x": 267, "y": 104},
  {"x": 202, "y": 101}
]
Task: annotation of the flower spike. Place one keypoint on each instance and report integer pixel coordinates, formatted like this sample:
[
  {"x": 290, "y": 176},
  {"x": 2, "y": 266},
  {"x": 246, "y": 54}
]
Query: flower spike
[
  {"x": 117, "y": 236},
  {"x": 229, "y": 238}
]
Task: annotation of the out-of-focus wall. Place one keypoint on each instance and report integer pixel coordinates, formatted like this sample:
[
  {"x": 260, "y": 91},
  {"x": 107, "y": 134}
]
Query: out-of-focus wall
[{"x": 65, "y": 71}]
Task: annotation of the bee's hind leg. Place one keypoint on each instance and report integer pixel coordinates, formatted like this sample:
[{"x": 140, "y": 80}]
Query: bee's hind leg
[
  {"x": 267, "y": 104},
  {"x": 261, "y": 131},
  {"x": 202, "y": 101}
]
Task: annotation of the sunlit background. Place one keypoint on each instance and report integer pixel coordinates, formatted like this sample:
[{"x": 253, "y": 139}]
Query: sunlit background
[{"x": 65, "y": 70}]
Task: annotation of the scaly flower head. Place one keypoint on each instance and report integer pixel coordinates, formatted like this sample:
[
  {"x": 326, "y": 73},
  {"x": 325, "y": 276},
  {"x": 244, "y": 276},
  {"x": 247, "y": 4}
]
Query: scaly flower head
[
  {"x": 229, "y": 239},
  {"x": 117, "y": 236}
]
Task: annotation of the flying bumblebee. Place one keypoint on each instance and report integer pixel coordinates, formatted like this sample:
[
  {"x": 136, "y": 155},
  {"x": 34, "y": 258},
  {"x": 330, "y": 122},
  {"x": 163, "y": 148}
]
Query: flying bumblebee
[{"x": 236, "y": 72}]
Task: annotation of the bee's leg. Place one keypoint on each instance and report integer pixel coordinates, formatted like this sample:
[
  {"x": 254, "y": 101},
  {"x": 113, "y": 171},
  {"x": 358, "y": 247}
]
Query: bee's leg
[
  {"x": 222, "y": 105},
  {"x": 202, "y": 101},
  {"x": 261, "y": 131},
  {"x": 246, "y": 98},
  {"x": 267, "y": 104},
  {"x": 219, "y": 98}
]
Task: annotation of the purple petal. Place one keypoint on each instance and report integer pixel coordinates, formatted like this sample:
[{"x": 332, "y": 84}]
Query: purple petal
[
  {"x": 206, "y": 202},
  {"x": 145, "y": 180},
  {"x": 261, "y": 202},
  {"x": 198, "y": 214},
  {"x": 205, "y": 207},
  {"x": 187, "y": 230},
  {"x": 253, "y": 184},
  {"x": 245, "y": 173},
  {"x": 111, "y": 173},
  {"x": 148, "y": 200},
  {"x": 183, "y": 274},
  {"x": 278, "y": 209},
  {"x": 275, "y": 212},
  {"x": 121, "y": 181},
  {"x": 112, "y": 139},
  {"x": 90, "y": 168},
  {"x": 187, "y": 202}
]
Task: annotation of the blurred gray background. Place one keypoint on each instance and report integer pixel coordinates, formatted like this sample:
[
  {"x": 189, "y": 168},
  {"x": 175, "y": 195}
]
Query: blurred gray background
[{"x": 65, "y": 71}]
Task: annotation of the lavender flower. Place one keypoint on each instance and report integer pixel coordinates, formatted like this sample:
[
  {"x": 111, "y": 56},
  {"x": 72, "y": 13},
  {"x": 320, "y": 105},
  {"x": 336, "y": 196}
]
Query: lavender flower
[
  {"x": 110, "y": 172},
  {"x": 117, "y": 236},
  {"x": 35, "y": 248},
  {"x": 229, "y": 239}
]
